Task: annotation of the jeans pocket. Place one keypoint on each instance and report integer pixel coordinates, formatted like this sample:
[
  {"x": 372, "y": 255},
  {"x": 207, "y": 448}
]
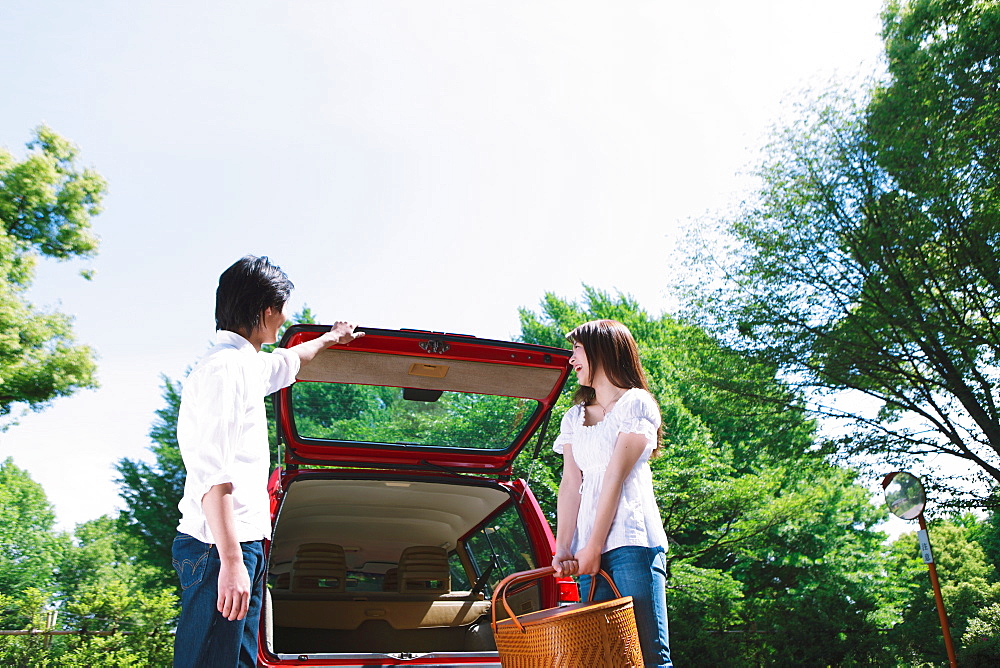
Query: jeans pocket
[{"x": 190, "y": 560}]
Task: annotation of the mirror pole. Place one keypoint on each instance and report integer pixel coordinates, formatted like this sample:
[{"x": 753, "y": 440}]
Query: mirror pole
[{"x": 925, "y": 548}]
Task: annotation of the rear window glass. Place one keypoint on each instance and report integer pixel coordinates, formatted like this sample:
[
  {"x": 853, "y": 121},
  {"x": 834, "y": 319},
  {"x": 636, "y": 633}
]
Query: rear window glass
[
  {"x": 501, "y": 547},
  {"x": 398, "y": 416}
]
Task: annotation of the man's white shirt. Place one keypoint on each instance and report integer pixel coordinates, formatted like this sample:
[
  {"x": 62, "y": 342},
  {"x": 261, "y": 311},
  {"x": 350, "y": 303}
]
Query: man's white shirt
[{"x": 222, "y": 432}]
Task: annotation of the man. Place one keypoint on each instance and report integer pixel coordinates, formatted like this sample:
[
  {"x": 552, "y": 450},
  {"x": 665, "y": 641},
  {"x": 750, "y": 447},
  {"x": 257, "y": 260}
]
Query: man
[{"x": 222, "y": 432}]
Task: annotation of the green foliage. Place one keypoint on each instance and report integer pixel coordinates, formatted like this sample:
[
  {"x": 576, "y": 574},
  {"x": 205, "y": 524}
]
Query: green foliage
[
  {"x": 987, "y": 534},
  {"x": 813, "y": 583},
  {"x": 705, "y": 614},
  {"x": 774, "y": 557},
  {"x": 970, "y": 587},
  {"x": 25, "y": 611},
  {"x": 105, "y": 554},
  {"x": 723, "y": 418},
  {"x": 942, "y": 57},
  {"x": 116, "y": 626},
  {"x": 46, "y": 203},
  {"x": 114, "y": 606},
  {"x": 383, "y": 415},
  {"x": 93, "y": 585},
  {"x": 151, "y": 492},
  {"x": 868, "y": 259},
  {"x": 981, "y": 640},
  {"x": 29, "y": 548}
]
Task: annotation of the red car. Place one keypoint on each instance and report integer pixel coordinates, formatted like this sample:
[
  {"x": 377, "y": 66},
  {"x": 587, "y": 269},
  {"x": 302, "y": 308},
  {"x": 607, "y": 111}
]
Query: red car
[{"x": 395, "y": 513}]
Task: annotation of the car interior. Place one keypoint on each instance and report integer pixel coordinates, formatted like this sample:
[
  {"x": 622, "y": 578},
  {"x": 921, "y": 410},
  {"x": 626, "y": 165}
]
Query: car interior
[{"x": 401, "y": 565}]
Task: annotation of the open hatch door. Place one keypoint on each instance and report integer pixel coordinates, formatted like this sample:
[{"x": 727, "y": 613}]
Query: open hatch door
[{"x": 417, "y": 400}]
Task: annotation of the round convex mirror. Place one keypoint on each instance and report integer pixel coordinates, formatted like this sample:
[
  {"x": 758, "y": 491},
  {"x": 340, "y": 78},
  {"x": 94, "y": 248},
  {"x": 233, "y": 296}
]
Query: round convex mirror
[{"x": 904, "y": 494}]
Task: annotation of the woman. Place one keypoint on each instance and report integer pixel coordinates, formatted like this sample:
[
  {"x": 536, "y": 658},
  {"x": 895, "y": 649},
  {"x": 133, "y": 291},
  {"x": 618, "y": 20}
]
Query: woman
[{"x": 607, "y": 515}]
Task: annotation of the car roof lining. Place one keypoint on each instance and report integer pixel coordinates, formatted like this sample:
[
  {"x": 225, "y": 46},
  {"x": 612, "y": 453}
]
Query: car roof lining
[
  {"x": 406, "y": 513},
  {"x": 339, "y": 365}
]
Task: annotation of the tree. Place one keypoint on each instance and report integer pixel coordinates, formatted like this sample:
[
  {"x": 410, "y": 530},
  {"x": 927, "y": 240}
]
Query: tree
[
  {"x": 103, "y": 553},
  {"x": 92, "y": 583},
  {"x": 46, "y": 203},
  {"x": 105, "y": 586},
  {"x": 942, "y": 58},
  {"x": 23, "y": 611},
  {"x": 981, "y": 641},
  {"x": 103, "y": 597},
  {"x": 813, "y": 586},
  {"x": 151, "y": 492},
  {"x": 987, "y": 534},
  {"x": 720, "y": 423},
  {"x": 867, "y": 260},
  {"x": 774, "y": 557},
  {"x": 29, "y": 548},
  {"x": 970, "y": 588}
]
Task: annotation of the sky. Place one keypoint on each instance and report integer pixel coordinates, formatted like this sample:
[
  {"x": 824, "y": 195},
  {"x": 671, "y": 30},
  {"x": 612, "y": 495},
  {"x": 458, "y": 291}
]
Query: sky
[{"x": 430, "y": 165}]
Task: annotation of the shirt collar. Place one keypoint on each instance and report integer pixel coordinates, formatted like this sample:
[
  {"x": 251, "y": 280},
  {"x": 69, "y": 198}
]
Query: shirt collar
[{"x": 227, "y": 338}]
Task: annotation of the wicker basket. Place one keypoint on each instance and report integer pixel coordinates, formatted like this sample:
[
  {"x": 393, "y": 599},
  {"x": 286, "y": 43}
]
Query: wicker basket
[{"x": 581, "y": 634}]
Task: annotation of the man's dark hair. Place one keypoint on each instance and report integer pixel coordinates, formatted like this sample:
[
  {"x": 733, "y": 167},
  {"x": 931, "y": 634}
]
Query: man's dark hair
[{"x": 247, "y": 288}]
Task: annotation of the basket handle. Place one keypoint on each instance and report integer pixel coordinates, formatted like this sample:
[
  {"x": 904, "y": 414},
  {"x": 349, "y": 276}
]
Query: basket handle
[{"x": 526, "y": 576}]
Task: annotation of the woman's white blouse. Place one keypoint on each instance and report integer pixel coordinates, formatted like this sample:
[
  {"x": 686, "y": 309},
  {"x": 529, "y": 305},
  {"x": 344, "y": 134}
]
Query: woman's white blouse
[{"x": 637, "y": 521}]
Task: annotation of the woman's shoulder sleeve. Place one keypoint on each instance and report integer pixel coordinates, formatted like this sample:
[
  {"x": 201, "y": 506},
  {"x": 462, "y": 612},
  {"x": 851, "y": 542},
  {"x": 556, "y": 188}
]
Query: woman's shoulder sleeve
[
  {"x": 640, "y": 413},
  {"x": 640, "y": 403},
  {"x": 569, "y": 421}
]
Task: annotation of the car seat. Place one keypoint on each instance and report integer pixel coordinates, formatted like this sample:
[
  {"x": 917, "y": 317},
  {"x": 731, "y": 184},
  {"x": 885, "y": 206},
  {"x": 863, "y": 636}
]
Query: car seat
[
  {"x": 319, "y": 567},
  {"x": 424, "y": 568}
]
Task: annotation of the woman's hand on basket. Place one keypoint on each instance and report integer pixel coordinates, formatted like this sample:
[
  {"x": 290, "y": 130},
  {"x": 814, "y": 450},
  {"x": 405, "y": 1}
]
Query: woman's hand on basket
[
  {"x": 564, "y": 563},
  {"x": 588, "y": 560}
]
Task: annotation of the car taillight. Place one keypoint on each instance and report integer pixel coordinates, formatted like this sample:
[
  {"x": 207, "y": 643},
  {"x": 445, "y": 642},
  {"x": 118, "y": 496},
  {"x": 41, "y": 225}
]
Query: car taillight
[{"x": 569, "y": 591}]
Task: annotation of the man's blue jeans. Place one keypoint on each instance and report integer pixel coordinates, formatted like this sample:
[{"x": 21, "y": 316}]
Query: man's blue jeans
[
  {"x": 206, "y": 639},
  {"x": 639, "y": 572}
]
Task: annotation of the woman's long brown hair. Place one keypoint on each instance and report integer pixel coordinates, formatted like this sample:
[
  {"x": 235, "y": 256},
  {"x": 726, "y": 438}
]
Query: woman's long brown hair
[{"x": 610, "y": 346}]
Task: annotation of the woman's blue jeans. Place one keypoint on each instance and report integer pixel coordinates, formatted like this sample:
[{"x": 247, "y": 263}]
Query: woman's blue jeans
[
  {"x": 639, "y": 572},
  {"x": 206, "y": 639}
]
